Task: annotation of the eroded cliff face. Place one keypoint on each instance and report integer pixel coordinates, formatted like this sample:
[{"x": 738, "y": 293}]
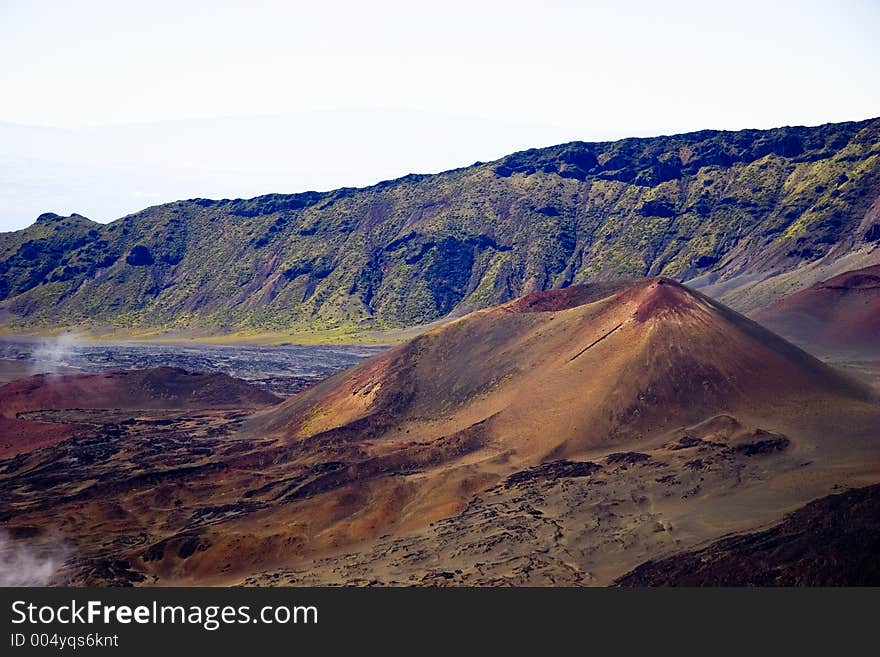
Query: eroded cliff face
[{"x": 719, "y": 208}]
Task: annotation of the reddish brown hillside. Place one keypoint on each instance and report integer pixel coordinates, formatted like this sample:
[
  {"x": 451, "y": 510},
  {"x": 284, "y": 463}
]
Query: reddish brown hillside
[
  {"x": 151, "y": 389},
  {"x": 156, "y": 388},
  {"x": 839, "y": 315}
]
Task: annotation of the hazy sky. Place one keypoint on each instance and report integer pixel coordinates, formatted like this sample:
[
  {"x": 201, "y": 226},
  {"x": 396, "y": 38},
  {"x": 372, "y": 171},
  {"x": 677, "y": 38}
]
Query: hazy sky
[{"x": 357, "y": 92}]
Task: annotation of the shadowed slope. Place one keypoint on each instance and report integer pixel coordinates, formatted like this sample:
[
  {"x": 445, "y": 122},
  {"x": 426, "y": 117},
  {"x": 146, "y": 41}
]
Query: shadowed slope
[
  {"x": 833, "y": 541},
  {"x": 839, "y": 315}
]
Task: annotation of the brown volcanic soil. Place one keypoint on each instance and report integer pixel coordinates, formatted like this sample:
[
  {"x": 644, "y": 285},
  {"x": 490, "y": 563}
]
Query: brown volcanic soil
[
  {"x": 157, "y": 388},
  {"x": 557, "y": 382},
  {"x": 560, "y": 439},
  {"x": 567, "y": 297},
  {"x": 834, "y": 541},
  {"x": 17, "y": 436},
  {"x": 840, "y": 315}
]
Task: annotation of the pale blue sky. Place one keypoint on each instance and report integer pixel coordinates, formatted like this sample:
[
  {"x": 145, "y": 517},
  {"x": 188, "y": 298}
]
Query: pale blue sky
[{"x": 131, "y": 104}]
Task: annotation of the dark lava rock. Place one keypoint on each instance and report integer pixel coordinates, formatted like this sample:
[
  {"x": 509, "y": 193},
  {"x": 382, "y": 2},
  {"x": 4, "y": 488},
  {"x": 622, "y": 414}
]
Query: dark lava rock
[
  {"x": 657, "y": 208},
  {"x": 705, "y": 261},
  {"x": 109, "y": 572},
  {"x": 190, "y": 546},
  {"x": 186, "y": 545},
  {"x": 23, "y": 532},
  {"x": 769, "y": 445},
  {"x": 686, "y": 442},
  {"x": 833, "y": 541},
  {"x": 549, "y": 211},
  {"x": 628, "y": 458},
  {"x": 580, "y": 157},
  {"x": 140, "y": 256},
  {"x": 554, "y": 470}
]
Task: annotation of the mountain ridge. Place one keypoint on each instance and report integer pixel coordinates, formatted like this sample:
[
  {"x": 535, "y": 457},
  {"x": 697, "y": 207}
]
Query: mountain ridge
[{"x": 424, "y": 246}]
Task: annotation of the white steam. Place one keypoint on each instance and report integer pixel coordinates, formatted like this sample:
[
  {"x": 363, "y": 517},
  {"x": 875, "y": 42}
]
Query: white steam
[
  {"x": 53, "y": 354},
  {"x": 29, "y": 565}
]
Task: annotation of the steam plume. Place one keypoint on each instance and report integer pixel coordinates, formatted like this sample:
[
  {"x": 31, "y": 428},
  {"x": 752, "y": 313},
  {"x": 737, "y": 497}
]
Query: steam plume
[{"x": 29, "y": 565}]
